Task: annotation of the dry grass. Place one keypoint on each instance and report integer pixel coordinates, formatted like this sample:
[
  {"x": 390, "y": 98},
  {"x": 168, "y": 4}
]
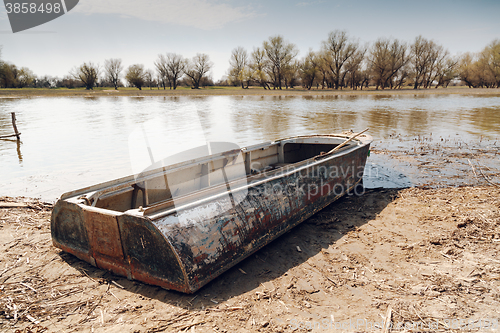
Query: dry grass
[{"x": 414, "y": 255}]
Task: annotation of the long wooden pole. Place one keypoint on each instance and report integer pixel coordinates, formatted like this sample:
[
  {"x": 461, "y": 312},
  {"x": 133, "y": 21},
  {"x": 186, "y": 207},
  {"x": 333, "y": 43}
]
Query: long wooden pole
[
  {"x": 17, "y": 134},
  {"x": 346, "y": 142}
]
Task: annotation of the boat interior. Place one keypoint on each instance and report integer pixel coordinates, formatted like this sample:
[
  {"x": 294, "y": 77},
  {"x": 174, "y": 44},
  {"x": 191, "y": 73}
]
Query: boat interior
[{"x": 204, "y": 171}]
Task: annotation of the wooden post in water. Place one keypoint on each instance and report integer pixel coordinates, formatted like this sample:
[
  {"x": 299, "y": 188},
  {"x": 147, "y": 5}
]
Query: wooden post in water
[{"x": 18, "y": 135}]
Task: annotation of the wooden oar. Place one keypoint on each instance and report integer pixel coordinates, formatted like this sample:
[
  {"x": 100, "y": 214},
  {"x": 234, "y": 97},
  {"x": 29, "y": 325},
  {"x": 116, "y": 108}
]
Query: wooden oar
[{"x": 345, "y": 142}]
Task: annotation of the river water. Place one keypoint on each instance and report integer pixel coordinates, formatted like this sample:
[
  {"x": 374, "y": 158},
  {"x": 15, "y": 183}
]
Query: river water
[{"x": 68, "y": 143}]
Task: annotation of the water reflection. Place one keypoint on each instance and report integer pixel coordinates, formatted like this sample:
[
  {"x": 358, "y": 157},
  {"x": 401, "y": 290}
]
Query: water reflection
[
  {"x": 18, "y": 148},
  {"x": 74, "y": 142},
  {"x": 19, "y": 154}
]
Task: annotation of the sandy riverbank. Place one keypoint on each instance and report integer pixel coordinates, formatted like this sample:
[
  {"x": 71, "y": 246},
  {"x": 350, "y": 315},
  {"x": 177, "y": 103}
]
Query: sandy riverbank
[{"x": 414, "y": 255}]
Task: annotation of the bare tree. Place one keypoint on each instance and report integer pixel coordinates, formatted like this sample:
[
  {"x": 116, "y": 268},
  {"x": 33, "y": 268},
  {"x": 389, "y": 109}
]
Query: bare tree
[
  {"x": 386, "y": 60},
  {"x": 87, "y": 73},
  {"x": 338, "y": 48},
  {"x": 424, "y": 56},
  {"x": 364, "y": 77},
  {"x": 427, "y": 60},
  {"x": 291, "y": 74},
  {"x": 238, "y": 65},
  {"x": 480, "y": 70},
  {"x": 280, "y": 54},
  {"x": 170, "y": 68},
  {"x": 353, "y": 66},
  {"x": 176, "y": 65},
  {"x": 467, "y": 70},
  {"x": 398, "y": 63},
  {"x": 446, "y": 71},
  {"x": 149, "y": 78},
  {"x": 135, "y": 76},
  {"x": 199, "y": 66},
  {"x": 420, "y": 59},
  {"x": 491, "y": 56},
  {"x": 258, "y": 64},
  {"x": 438, "y": 56},
  {"x": 309, "y": 68},
  {"x": 324, "y": 70},
  {"x": 112, "y": 70},
  {"x": 162, "y": 71},
  {"x": 402, "y": 75},
  {"x": 379, "y": 66}
]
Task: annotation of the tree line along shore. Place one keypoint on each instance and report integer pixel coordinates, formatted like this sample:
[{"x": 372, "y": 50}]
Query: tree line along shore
[
  {"x": 341, "y": 62},
  {"x": 238, "y": 92}
]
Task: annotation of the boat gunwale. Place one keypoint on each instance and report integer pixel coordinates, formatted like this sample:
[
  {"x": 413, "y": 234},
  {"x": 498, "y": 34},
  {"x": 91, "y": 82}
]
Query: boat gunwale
[
  {"x": 124, "y": 182},
  {"x": 304, "y": 164},
  {"x": 169, "y": 202}
]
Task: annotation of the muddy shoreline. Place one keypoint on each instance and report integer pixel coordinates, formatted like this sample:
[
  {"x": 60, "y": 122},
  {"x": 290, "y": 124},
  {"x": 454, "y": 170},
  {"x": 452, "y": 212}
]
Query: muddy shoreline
[
  {"x": 417, "y": 255},
  {"x": 430, "y": 161},
  {"x": 425, "y": 256}
]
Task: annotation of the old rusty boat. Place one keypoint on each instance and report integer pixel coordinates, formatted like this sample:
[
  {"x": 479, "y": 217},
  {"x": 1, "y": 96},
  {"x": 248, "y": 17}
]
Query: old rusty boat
[{"x": 181, "y": 223}]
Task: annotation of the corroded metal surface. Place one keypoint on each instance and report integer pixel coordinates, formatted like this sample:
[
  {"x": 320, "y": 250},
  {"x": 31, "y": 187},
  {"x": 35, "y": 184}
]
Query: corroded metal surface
[
  {"x": 207, "y": 246},
  {"x": 188, "y": 247}
]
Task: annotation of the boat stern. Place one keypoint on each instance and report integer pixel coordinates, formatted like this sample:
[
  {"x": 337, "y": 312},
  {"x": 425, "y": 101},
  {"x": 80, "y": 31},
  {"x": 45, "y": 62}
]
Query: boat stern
[{"x": 124, "y": 244}]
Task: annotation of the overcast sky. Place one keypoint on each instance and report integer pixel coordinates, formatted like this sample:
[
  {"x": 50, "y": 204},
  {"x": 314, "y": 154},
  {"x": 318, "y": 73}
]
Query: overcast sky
[{"x": 137, "y": 31}]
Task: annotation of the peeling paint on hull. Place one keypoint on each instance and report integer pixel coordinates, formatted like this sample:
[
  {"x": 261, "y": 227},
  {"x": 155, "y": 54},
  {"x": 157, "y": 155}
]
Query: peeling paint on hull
[{"x": 190, "y": 246}]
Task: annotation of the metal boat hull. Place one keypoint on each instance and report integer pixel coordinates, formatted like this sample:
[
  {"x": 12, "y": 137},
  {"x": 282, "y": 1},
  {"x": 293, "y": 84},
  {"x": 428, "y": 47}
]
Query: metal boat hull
[{"x": 192, "y": 244}]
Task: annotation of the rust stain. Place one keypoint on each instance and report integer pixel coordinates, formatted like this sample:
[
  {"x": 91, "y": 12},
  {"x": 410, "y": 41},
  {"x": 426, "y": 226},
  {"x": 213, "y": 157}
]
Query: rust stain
[{"x": 185, "y": 250}]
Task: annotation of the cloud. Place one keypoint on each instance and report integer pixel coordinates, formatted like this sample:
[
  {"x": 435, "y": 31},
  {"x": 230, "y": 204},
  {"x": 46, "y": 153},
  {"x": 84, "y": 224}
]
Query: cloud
[
  {"x": 203, "y": 14},
  {"x": 309, "y": 3}
]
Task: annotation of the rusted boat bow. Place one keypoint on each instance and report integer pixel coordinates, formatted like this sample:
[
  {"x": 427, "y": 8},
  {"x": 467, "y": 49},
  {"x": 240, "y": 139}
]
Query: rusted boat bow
[{"x": 180, "y": 226}]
